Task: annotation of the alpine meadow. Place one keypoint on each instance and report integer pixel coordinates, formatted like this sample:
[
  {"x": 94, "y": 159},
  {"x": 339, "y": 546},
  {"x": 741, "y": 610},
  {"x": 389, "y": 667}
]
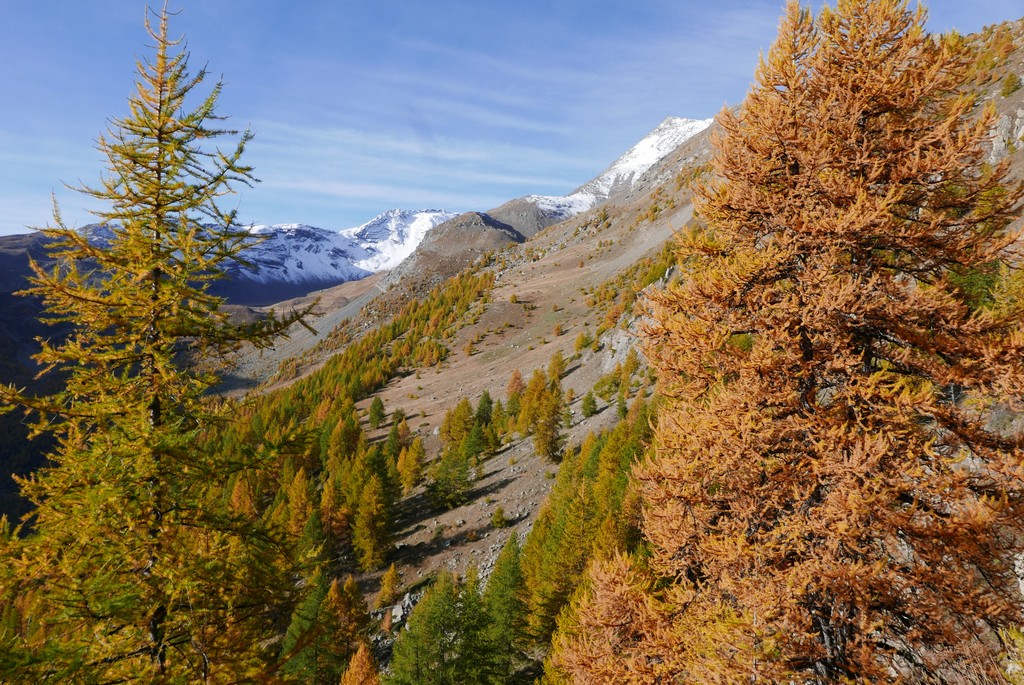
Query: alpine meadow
[{"x": 746, "y": 407}]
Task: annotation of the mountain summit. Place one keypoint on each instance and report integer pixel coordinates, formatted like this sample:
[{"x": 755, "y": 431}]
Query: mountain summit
[
  {"x": 393, "y": 235},
  {"x": 623, "y": 172},
  {"x": 295, "y": 258}
]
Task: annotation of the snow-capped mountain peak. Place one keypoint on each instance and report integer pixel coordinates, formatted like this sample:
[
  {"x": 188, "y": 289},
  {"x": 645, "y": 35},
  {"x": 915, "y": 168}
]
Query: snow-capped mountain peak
[
  {"x": 392, "y": 236},
  {"x": 627, "y": 169},
  {"x": 297, "y": 253},
  {"x": 666, "y": 137}
]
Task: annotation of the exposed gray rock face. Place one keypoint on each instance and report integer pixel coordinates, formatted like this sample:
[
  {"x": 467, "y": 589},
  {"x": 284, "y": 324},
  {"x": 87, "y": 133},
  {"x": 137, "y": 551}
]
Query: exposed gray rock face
[
  {"x": 524, "y": 216},
  {"x": 1001, "y": 139}
]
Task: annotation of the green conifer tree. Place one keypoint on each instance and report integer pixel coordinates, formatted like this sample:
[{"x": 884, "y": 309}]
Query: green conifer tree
[
  {"x": 484, "y": 408},
  {"x": 450, "y": 479},
  {"x": 447, "y": 641},
  {"x": 589, "y": 405},
  {"x": 302, "y": 650},
  {"x": 325, "y": 630},
  {"x": 393, "y": 443},
  {"x": 475, "y": 443},
  {"x": 504, "y": 599},
  {"x": 137, "y": 566},
  {"x": 376, "y": 413},
  {"x": 370, "y": 532}
]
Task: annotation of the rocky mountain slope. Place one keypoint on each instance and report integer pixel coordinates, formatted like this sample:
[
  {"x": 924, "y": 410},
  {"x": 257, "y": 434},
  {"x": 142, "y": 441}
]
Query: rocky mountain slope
[{"x": 530, "y": 214}]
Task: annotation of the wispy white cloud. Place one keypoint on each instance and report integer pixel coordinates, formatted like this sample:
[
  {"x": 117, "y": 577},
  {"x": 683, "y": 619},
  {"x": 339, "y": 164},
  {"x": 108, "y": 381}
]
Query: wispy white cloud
[{"x": 393, "y": 154}]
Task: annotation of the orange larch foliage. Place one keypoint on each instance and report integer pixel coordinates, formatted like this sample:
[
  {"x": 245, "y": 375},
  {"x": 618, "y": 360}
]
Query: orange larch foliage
[
  {"x": 829, "y": 500},
  {"x": 362, "y": 670}
]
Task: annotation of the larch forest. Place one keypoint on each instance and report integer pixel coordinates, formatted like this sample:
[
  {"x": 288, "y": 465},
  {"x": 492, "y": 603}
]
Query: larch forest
[{"x": 808, "y": 469}]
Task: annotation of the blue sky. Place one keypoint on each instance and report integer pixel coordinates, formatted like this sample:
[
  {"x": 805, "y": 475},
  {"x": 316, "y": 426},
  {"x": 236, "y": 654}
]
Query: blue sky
[{"x": 359, "y": 107}]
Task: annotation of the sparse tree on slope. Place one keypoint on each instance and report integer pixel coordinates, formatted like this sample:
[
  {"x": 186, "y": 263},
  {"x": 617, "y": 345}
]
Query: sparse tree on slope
[
  {"x": 136, "y": 570},
  {"x": 370, "y": 530},
  {"x": 828, "y": 502},
  {"x": 376, "y": 413}
]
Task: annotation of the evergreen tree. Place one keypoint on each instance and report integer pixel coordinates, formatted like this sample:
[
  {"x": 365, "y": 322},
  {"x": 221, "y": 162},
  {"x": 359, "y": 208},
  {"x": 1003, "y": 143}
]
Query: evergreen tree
[
  {"x": 475, "y": 443},
  {"x": 370, "y": 531},
  {"x": 301, "y": 648},
  {"x": 478, "y": 652},
  {"x": 427, "y": 653},
  {"x": 450, "y": 479},
  {"x": 446, "y": 642},
  {"x": 138, "y": 568},
  {"x": 499, "y": 419},
  {"x": 376, "y": 413},
  {"x": 393, "y": 443},
  {"x": 484, "y": 408},
  {"x": 829, "y": 502},
  {"x": 589, "y": 405},
  {"x": 325, "y": 630},
  {"x": 504, "y": 599}
]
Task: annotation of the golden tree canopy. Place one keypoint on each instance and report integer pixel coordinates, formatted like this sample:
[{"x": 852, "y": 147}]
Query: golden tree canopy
[{"x": 829, "y": 500}]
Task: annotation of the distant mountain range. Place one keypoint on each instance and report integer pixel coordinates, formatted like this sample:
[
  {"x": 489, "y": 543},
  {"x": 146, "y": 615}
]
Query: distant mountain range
[{"x": 296, "y": 259}]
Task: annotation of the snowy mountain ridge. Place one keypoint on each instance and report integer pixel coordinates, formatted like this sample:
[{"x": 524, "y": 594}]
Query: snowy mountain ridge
[
  {"x": 393, "y": 235},
  {"x": 294, "y": 257},
  {"x": 294, "y": 253},
  {"x": 626, "y": 170}
]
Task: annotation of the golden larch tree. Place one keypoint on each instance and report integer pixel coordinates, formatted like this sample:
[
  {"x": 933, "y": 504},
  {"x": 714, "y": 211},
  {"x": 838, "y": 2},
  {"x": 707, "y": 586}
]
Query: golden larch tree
[
  {"x": 362, "y": 670},
  {"x": 143, "y": 564},
  {"x": 829, "y": 500}
]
